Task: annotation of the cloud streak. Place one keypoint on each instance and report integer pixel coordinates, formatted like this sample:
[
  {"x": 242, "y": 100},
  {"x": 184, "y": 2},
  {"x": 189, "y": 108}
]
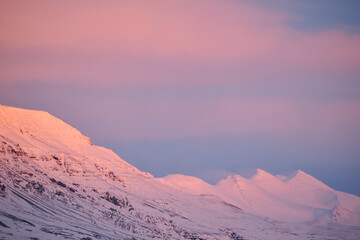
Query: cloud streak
[{"x": 124, "y": 42}]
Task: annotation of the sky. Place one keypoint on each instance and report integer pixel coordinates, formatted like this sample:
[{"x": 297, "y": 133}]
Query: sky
[{"x": 204, "y": 88}]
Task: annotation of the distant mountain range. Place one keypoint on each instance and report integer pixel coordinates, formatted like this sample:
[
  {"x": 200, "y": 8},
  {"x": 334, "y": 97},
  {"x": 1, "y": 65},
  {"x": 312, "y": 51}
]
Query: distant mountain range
[{"x": 55, "y": 184}]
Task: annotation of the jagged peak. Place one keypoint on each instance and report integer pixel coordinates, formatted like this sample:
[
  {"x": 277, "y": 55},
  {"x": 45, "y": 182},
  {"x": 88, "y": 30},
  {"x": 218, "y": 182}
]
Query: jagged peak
[
  {"x": 261, "y": 174},
  {"x": 301, "y": 178},
  {"x": 266, "y": 181},
  {"x": 258, "y": 175},
  {"x": 298, "y": 174},
  {"x": 253, "y": 175},
  {"x": 232, "y": 179}
]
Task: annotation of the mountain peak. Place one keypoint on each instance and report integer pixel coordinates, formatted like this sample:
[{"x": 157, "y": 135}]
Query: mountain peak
[
  {"x": 261, "y": 174},
  {"x": 232, "y": 180},
  {"x": 40, "y": 126},
  {"x": 188, "y": 184},
  {"x": 299, "y": 174},
  {"x": 51, "y": 176},
  {"x": 301, "y": 178}
]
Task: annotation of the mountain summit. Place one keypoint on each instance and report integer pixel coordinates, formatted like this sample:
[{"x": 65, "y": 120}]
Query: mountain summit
[{"x": 55, "y": 184}]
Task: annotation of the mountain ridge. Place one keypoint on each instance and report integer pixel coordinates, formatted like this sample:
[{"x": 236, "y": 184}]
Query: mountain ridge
[{"x": 55, "y": 183}]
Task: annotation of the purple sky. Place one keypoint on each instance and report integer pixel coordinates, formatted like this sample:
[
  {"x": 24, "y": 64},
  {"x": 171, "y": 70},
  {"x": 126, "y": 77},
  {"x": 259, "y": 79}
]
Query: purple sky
[{"x": 203, "y": 88}]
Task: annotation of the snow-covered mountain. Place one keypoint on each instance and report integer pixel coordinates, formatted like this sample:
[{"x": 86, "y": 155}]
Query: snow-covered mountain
[
  {"x": 55, "y": 184},
  {"x": 297, "y": 198}
]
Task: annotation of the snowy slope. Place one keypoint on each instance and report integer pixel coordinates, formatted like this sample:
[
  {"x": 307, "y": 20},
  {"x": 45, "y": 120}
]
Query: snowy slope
[
  {"x": 55, "y": 184},
  {"x": 296, "y": 198}
]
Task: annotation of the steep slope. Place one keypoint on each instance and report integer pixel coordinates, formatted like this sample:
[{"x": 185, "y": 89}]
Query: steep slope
[{"x": 55, "y": 184}]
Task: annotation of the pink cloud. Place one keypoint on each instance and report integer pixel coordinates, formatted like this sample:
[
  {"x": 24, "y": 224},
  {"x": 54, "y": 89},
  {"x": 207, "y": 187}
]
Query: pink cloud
[
  {"x": 167, "y": 29},
  {"x": 87, "y": 42}
]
